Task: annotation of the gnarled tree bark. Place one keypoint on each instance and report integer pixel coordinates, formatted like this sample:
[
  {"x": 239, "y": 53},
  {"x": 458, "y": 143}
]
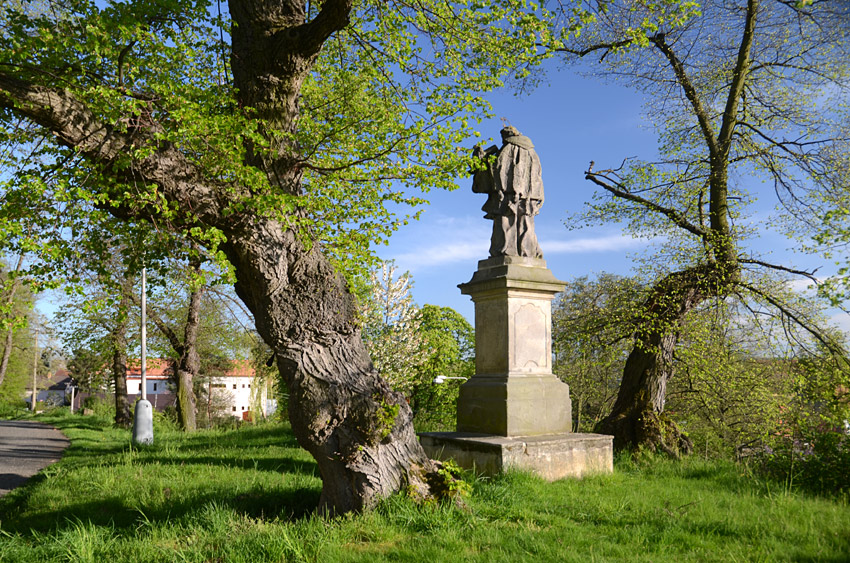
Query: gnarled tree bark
[{"x": 637, "y": 418}]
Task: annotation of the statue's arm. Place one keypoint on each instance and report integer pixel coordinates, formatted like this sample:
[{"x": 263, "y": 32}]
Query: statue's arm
[{"x": 482, "y": 179}]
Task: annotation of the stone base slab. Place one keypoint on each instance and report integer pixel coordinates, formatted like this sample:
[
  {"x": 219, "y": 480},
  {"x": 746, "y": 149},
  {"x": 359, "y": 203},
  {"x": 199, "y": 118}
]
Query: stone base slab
[{"x": 552, "y": 457}]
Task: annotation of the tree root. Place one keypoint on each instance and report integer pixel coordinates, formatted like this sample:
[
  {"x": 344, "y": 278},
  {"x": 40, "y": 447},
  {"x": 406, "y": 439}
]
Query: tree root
[{"x": 648, "y": 430}]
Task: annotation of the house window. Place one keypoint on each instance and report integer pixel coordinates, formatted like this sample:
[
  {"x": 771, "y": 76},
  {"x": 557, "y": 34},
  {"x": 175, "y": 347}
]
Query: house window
[
  {"x": 234, "y": 408},
  {"x": 234, "y": 386},
  {"x": 154, "y": 386},
  {"x": 249, "y": 386},
  {"x": 243, "y": 407},
  {"x": 243, "y": 386}
]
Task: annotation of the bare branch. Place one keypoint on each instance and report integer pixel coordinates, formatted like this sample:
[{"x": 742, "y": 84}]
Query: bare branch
[
  {"x": 604, "y": 47},
  {"x": 739, "y": 78},
  {"x": 616, "y": 189},
  {"x": 810, "y": 275},
  {"x": 833, "y": 347},
  {"x": 784, "y": 145},
  {"x": 163, "y": 327},
  {"x": 690, "y": 92}
]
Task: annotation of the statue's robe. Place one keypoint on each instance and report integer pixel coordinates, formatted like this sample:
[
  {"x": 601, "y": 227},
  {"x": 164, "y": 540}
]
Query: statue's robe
[{"x": 514, "y": 184}]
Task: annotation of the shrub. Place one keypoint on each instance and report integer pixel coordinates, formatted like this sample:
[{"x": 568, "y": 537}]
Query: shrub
[
  {"x": 12, "y": 409},
  {"x": 818, "y": 463},
  {"x": 166, "y": 419},
  {"x": 102, "y": 407}
]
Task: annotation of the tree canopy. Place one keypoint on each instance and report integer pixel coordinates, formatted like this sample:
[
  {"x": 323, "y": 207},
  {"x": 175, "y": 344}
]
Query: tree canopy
[{"x": 385, "y": 105}]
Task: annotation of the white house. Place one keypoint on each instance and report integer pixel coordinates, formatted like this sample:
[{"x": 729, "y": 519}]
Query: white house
[
  {"x": 232, "y": 392},
  {"x": 235, "y": 390},
  {"x": 159, "y": 391}
]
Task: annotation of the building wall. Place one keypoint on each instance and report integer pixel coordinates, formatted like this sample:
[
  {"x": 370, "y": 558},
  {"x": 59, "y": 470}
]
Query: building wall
[
  {"x": 154, "y": 386},
  {"x": 231, "y": 393},
  {"x": 235, "y": 392}
]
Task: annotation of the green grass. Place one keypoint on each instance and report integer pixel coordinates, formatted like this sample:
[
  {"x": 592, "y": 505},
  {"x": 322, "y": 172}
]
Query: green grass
[{"x": 248, "y": 495}]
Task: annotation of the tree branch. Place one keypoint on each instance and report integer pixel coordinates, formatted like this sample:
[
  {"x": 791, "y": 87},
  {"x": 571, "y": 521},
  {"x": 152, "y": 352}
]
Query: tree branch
[
  {"x": 690, "y": 91},
  {"x": 828, "y": 343},
  {"x": 607, "y": 47},
  {"x": 307, "y": 39},
  {"x": 671, "y": 214},
  {"x": 77, "y": 127},
  {"x": 166, "y": 330},
  {"x": 810, "y": 275},
  {"x": 739, "y": 78},
  {"x": 783, "y": 145}
]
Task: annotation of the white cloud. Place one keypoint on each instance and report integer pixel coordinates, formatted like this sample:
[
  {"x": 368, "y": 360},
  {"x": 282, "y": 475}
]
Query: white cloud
[
  {"x": 439, "y": 255},
  {"x": 474, "y": 243},
  {"x": 803, "y": 285},
  {"x": 465, "y": 222},
  {"x": 842, "y": 321},
  {"x": 611, "y": 243}
]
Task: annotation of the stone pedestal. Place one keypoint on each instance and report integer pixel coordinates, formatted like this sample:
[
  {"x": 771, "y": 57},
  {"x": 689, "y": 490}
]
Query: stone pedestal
[
  {"x": 513, "y": 391},
  {"x": 514, "y": 411}
]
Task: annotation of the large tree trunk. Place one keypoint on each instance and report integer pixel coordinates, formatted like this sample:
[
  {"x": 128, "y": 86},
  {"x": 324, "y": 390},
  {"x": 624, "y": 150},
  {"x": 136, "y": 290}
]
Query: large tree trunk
[
  {"x": 342, "y": 412},
  {"x": 359, "y": 430},
  {"x": 119, "y": 356},
  {"x": 637, "y": 418},
  {"x": 189, "y": 363}
]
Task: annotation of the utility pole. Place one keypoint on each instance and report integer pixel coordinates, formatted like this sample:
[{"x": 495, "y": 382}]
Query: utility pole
[
  {"x": 144, "y": 335},
  {"x": 143, "y": 421},
  {"x": 35, "y": 372}
]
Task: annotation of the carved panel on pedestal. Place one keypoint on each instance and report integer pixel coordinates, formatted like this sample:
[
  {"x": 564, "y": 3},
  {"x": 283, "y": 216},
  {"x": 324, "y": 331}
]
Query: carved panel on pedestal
[
  {"x": 491, "y": 337},
  {"x": 529, "y": 339}
]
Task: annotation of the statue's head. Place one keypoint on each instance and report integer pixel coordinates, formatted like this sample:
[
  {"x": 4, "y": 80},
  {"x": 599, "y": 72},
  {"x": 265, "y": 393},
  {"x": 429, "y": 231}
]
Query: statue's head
[{"x": 510, "y": 131}]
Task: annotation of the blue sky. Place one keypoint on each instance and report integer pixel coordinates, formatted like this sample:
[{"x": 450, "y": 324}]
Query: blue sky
[{"x": 571, "y": 121}]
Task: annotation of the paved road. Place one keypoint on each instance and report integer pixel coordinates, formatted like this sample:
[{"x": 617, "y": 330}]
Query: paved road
[{"x": 26, "y": 447}]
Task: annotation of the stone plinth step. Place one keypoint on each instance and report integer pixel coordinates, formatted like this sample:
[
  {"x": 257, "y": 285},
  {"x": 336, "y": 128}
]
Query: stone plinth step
[{"x": 551, "y": 456}]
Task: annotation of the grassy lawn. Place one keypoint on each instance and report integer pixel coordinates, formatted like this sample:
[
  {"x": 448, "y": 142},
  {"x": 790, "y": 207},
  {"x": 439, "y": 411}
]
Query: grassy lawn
[{"x": 248, "y": 494}]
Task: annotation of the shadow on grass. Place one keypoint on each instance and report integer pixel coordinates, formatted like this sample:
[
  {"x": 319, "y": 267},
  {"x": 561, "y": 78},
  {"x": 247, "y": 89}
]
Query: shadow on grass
[
  {"x": 80, "y": 423},
  {"x": 263, "y": 502},
  {"x": 252, "y": 436},
  {"x": 115, "y": 513},
  {"x": 265, "y": 448},
  {"x": 280, "y": 465}
]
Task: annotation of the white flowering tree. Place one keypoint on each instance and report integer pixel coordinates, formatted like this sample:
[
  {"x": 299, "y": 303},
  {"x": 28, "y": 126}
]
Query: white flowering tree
[{"x": 391, "y": 327}]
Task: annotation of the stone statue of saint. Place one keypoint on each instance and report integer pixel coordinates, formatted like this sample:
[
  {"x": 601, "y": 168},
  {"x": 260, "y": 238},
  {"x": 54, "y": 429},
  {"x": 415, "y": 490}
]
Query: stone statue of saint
[{"x": 513, "y": 183}]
